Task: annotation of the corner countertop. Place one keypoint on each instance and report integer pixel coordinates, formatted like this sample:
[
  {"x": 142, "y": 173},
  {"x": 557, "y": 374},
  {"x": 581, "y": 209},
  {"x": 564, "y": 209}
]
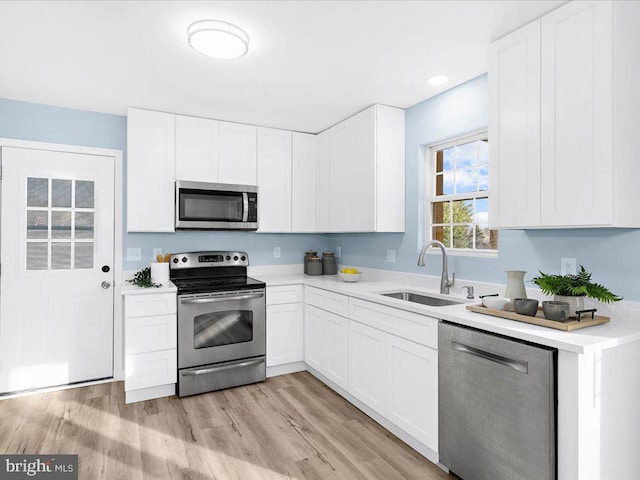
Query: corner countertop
[{"x": 615, "y": 333}]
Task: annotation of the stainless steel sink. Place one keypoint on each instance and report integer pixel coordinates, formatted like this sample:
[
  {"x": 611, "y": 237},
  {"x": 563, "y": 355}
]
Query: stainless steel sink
[{"x": 422, "y": 299}]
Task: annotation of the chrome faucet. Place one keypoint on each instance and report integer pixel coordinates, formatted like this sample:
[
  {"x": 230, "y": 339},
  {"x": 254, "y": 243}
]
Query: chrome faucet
[{"x": 445, "y": 283}]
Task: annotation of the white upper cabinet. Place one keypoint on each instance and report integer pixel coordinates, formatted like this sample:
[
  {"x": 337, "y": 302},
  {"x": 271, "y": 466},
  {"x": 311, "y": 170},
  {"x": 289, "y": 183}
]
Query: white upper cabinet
[
  {"x": 366, "y": 155},
  {"x": 274, "y": 180},
  {"x": 304, "y": 191},
  {"x": 196, "y": 149},
  {"x": 562, "y": 116},
  {"x": 237, "y": 154},
  {"x": 323, "y": 184},
  {"x": 150, "y": 171},
  {"x": 577, "y": 115},
  {"x": 514, "y": 128}
]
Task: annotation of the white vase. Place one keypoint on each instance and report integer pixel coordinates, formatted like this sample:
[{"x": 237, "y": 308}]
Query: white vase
[
  {"x": 515, "y": 287},
  {"x": 160, "y": 272},
  {"x": 575, "y": 303}
]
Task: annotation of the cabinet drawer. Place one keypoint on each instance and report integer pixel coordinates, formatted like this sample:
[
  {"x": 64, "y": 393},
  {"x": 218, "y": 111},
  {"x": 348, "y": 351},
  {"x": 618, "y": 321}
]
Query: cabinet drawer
[
  {"x": 146, "y": 370},
  {"x": 414, "y": 327},
  {"x": 150, "y": 304},
  {"x": 284, "y": 294},
  {"x": 150, "y": 334},
  {"x": 329, "y": 301}
]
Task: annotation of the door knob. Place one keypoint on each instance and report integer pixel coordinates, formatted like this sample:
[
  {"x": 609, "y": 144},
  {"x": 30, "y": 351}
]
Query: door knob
[{"x": 105, "y": 284}]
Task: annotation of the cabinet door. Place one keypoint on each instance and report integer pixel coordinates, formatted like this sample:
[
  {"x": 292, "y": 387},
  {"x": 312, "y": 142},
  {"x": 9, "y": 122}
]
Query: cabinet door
[
  {"x": 514, "y": 129},
  {"x": 367, "y": 364},
  {"x": 362, "y": 191},
  {"x": 284, "y": 334},
  {"x": 412, "y": 389},
  {"x": 323, "y": 185},
  {"x": 150, "y": 171},
  {"x": 196, "y": 149},
  {"x": 237, "y": 154},
  {"x": 304, "y": 182},
  {"x": 338, "y": 350},
  {"x": 315, "y": 339},
  {"x": 342, "y": 148},
  {"x": 577, "y": 115},
  {"x": 274, "y": 180}
]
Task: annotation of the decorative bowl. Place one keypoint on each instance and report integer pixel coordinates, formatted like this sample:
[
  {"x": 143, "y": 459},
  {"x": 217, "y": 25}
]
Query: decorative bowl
[
  {"x": 495, "y": 303},
  {"x": 350, "y": 277},
  {"x": 558, "y": 311},
  {"x": 525, "y": 306}
]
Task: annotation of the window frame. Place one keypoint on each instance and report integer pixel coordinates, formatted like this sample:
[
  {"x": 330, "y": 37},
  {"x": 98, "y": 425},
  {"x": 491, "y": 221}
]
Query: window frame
[{"x": 430, "y": 196}]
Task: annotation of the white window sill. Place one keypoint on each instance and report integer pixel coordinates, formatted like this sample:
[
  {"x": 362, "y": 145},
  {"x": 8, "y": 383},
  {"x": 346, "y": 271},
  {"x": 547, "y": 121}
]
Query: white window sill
[{"x": 459, "y": 252}]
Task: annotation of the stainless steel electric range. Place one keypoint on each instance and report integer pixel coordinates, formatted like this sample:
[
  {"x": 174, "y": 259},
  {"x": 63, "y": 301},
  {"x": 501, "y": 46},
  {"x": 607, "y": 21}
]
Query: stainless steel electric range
[{"x": 221, "y": 322}]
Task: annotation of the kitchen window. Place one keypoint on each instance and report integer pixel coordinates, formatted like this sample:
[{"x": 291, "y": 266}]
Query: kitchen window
[{"x": 458, "y": 195}]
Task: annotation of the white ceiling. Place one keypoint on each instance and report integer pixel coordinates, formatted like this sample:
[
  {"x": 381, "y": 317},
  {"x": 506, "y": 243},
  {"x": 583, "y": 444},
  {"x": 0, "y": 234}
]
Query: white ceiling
[{"x": 310, "y": 63}]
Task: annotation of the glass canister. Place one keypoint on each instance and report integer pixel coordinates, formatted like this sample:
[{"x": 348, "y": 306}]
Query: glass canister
[
  {"x": 329, "y": 266},
  {"x": 314, "y": 266},
  {"x": 307, "y": 255}
]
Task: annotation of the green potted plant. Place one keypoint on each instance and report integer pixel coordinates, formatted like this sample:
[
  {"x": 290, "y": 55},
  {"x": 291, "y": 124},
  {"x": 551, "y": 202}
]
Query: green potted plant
[{"x": 574, "y": 288}]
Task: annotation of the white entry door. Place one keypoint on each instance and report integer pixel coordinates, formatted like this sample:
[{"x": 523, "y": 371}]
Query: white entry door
[{"x": 56, "y": 294}]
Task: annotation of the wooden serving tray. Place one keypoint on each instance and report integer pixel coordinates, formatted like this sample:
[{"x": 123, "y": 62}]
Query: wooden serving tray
[{"x": 539, "y": 319}]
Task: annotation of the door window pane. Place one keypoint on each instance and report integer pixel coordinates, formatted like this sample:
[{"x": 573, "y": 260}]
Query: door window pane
[
  {"x": 84, "y": 225},
  {"x": 61, "y": 193},
  {"x": 37, "y": 224},
  {"x": 84, "y": 194},
  {"x": 83, "y": 255},
  {"x": 37, "y": 256},
  {"x": 60, "y": 224},
  {"x": 37, "y": 192},
  {"x": 61, "y": 256}
]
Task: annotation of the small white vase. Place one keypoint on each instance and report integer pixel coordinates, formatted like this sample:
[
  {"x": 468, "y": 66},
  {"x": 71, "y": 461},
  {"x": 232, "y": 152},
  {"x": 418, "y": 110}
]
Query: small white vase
[
  {"x": 515, "y": 287},
  {"x": 160, "y": 272},
  {"x": 575, "y": 303}
]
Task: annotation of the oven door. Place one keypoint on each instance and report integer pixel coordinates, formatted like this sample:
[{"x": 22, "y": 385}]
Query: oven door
[{"x": 220, "y": 327}]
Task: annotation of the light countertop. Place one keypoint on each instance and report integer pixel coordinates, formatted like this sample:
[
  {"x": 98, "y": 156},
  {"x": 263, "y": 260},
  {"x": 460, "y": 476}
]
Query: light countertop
[
  {"x": 131, "y": 289},
  {"x": 612, "y": 334}
]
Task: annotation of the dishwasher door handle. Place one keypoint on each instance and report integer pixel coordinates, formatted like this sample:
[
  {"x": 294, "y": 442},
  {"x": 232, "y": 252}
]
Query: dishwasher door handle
[{"x": 519, "y": 366}]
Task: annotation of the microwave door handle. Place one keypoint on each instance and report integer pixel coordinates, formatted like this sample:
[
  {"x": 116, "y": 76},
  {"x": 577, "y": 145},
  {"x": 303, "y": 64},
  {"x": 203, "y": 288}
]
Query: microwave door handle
[
  {"x": 245, "y": 207},
  {"x": 196, "y": 301}
]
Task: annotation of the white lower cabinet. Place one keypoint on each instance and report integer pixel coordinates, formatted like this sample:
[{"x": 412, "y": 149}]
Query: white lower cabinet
[
  {"x": 150, "y": 346},
  {"x": 284, "y": 334},
  {"x": 412, "y": 389},
  {"x": 367, "y": 365},
  {"x": 326, "y": 346}
]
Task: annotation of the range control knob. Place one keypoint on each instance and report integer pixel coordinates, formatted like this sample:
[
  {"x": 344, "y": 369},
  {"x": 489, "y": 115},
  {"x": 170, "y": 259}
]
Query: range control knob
[
  {"x": 175, "y": 260},
  {"x": 228, "y": 257},
  {"x": 243, "y": 258},
  {"x": 184, "y": 259},
  {"x": 235, "y": 258}
]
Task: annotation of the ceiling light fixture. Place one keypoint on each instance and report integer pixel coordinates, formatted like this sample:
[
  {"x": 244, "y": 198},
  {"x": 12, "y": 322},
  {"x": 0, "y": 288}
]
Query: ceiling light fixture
[
  {"x": 218, "y": 39},
  {"x": 438, "y": 80}
]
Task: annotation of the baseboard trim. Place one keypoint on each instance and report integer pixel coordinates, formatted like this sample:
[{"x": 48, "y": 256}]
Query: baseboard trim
[
  {"x": 150, "y": 393},
  {"x": 287, "y": 368}
]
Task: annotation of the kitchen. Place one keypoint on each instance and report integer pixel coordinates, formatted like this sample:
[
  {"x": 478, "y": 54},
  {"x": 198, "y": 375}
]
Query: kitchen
[{"x": 379, "y": 235}]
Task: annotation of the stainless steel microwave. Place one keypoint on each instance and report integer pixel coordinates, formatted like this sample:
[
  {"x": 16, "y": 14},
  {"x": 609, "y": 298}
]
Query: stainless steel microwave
[{"x": 216, "y": 206}]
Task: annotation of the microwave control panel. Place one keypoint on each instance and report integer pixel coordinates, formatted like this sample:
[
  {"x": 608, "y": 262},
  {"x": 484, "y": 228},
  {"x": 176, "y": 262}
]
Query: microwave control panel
[{"x": 252, "y": 214}]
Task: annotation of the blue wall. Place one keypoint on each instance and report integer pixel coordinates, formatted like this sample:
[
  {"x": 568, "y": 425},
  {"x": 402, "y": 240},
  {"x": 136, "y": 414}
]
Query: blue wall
[
  {"x": 611, "y": 254},
  {"x": 43, "y": 123}
]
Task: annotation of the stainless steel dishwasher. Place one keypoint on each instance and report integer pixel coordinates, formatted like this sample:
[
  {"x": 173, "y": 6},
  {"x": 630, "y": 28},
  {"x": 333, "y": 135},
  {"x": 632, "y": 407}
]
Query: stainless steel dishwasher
[{"x": 497, "y": 406}]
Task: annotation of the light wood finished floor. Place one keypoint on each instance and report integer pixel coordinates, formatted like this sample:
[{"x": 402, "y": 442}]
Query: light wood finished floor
[{"x": 289, "y": 427}]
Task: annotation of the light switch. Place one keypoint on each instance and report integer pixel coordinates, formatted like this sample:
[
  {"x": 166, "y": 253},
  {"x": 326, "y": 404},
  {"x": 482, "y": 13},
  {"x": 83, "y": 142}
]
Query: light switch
[{"x": 134, "y": 254}]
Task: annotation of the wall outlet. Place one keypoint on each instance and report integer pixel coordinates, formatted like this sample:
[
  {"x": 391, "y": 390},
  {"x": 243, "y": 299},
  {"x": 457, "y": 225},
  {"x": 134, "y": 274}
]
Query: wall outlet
[
  {"x": 568, "y": 266},
  {"x": 391, "y": 256},
  {"x": 338, "y": 252},
  {"x": 156, "y": 252},
  {"x": 276, "y": 252},
  {"x": 134, "y": 254}
]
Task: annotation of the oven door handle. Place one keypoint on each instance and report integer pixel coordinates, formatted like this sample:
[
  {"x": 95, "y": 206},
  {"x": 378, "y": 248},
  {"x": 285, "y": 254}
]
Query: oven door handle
[
  {"x": 197, "y": 301},
  {"x": 204, "y": 371}
]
